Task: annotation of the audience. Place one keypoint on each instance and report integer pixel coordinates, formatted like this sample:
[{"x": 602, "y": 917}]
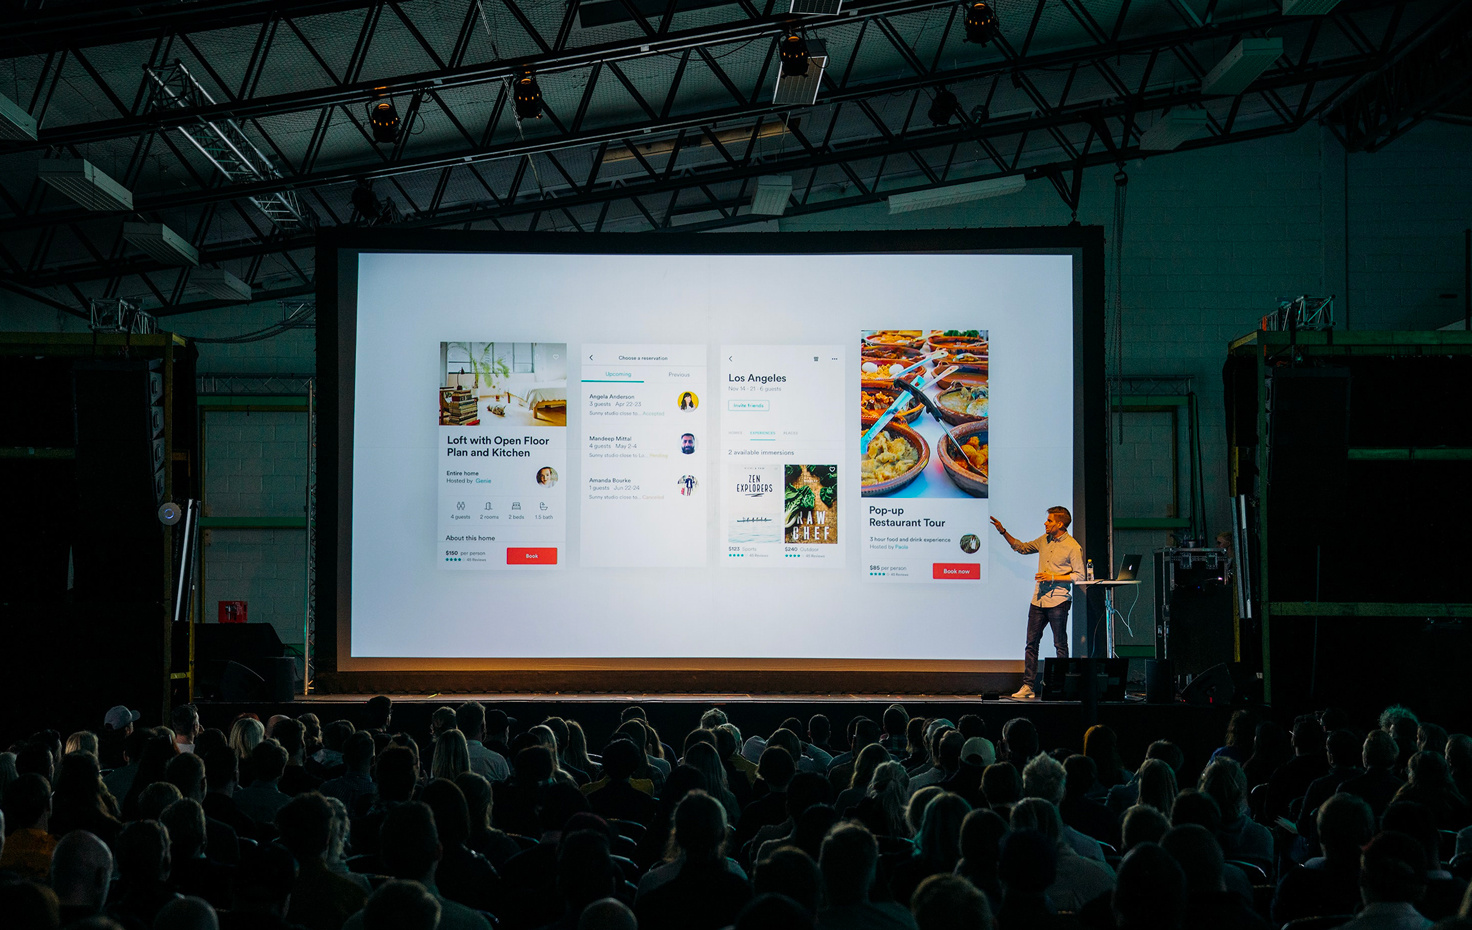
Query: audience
[{"x": 920, "y": 823}]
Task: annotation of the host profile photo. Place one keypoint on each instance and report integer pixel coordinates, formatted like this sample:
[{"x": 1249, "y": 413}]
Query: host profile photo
[
  {"x": 688, "y": 401},
  {"x": 970, "y": 543},
  {"x": 546, "y": 476},
  {"x": 687, "y": 443}
]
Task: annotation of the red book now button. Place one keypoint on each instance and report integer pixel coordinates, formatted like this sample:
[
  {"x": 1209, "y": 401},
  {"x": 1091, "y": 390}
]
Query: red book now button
[
  {"x": 534, "y": 556},
  {"x": 951, "y": 571}
]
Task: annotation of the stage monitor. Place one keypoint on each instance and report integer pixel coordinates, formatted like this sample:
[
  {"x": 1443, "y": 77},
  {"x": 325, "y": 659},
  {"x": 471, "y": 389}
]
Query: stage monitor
[{"x": 582, "y": 459}]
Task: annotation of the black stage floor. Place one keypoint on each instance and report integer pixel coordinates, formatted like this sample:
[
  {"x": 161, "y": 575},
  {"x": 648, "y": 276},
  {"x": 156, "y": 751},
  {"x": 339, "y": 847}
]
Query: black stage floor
[{"x": 1198, "y": 729}]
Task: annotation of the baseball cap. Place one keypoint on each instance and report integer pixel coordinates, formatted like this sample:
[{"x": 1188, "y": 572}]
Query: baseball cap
[
  {"x": 120, "y": 717},
  {"x": 496, "y": 720},
  {"x": 981, "y": 748}
]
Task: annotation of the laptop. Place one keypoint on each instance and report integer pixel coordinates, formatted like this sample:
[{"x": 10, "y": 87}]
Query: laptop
[{"x": 1130, "y": 569}]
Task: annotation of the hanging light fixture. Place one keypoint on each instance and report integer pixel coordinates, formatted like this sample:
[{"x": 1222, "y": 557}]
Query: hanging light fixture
[
  {"x": 981, "y": 23},
  {"x": 383, "y": 118},
  {"x": 943, "y": 107},
  {"x": 793, "y": 50},
  {"x": 527, "y": 97}
]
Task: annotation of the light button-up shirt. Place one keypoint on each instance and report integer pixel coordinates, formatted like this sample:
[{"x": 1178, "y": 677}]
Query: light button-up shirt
[{"x": 1060, "y": 556}]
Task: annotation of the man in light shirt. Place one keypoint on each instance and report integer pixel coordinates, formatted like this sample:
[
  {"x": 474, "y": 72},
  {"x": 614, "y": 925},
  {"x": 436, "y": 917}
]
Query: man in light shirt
[{"x": 1060, "y": 563}]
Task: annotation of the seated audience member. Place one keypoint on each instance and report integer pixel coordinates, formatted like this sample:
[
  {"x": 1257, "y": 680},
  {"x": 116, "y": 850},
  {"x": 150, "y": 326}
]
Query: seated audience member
[
  {"x": 775, "y": 770},
  {"x": 187, "y": 773},
  {"x": 81, "y": 875},
  {"x": 820, "y": 730},
  {"x": 1392, "y": 879},
  {"x": 464, "y": 875},
  {"x": 1155, "y": 785},
  {"x": 1403, "y": 725},
  {"x": 485, "y": 839},
  {"x": 1151, "y": 891},
  {"x": 378, "y": 713},
  {"x": 354, "y": 787},
  {"x": 81, "y": 801},
  {"x": 1343, "y": 750},
  {"x": 1328, "y": 884},
  {"x": 260, "y": 889},
  {"x": 848, "y": 863},
  {"x": 1001, "y": 783},
  {"x": 704, "y": 895},
  {"x": 916, "y": 754},
  {"x": 191, "y": 872},
  {"x": 945, "y": 758},
  {"x": 155, "y": 798},
  {"x": 184, "y": 720},
  {"x": 740, "y": 774},
  {"x": 1291, "y": 780},
  {"x": 187, "y": 913},
  {"x": 704, "y": 758},
  {"x": 401, "y": 905},
  {"x": 882, "y": 808},
  {"x": 263, "y": 797},
  {"x": 1241, "y": 727},
  {"x": 861, "y": 732},
  {"x": 804, "y": 791},
  {"x": 981, "y": 849},
  {"x": 656, "y": 842},
  {"x": 245, "y": 734},
  {"x": 1241, "y": 837},
  {"x": 792, "y": 873},
  {"x": 1141, "y": 824},
  {"x": 1271, "y": 748},
  {"x": 1077, "y": 880},
  {"x": 295, "y": 778},
  {"x": 1044, "y": 778},
  {"x": 1429, "y": 782},
  {"x": 937, "y": 846},
  {"x": 470, "y": 719},
  {"x": 674, "y": 858},
  {"x": 1124, "y": 796},
  {"x": 451, "y": 755},
  {"x": 1444, "y": 891},
  {"x": 1079, "y": 810},
  {"x": 320, "y": 898},
  {"x": 144, "y": 867},
  {"x": 869, "y": 759},
  {"x": 28, "y": 906},
  {"x": 220, "y": 774},
  {"x": 394, "y": 779},
  {"x": 1209, "y": 905},
  {"x": 1101, "y": 746},
  {"x": 410, "y": 850},
  {"x": 1379, "y": 783},
  {"x": 585, "y": 873},
  {"x": 1027, "y": 868},
  {"x": 1019, "y": 742},
  {"x": 915, "y": 808},
  {"x": 1459, "y": 757},
  {"x": 615, "y": 795},
  {"x": 949, "y": 902},
  {"x": 29, "y": 843},
  {"x": 806, "y": 834},
  {"x": 607, "y": 914}
]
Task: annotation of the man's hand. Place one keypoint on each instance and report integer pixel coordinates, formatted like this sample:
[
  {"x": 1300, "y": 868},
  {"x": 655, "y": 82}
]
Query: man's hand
[
  {"x": 1045, "y": 576},
  {"x": 998, "y": 524}
]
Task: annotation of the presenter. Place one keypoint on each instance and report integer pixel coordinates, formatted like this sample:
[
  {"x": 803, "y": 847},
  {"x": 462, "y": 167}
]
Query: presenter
[{"x": 1060, "y": 561}]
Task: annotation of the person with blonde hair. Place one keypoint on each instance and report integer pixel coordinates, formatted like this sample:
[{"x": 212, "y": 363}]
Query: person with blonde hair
[
  {"x": 451, "y": 755},
  {"x": 82, "y": 741},
  {"x": 884, "y": 801},
  {"x": 245, "y": 735},
  {"x": 1157, "y": 785}
]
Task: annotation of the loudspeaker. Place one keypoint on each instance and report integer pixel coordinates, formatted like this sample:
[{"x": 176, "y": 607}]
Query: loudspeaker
[
  {"x": 1063, "y": 679},
  {"x": 239, "y": 683},
  {"x": 1213, "y": 686},
  {"x": 280, "y": 679},
  {"x": 1160, "y": 682}
]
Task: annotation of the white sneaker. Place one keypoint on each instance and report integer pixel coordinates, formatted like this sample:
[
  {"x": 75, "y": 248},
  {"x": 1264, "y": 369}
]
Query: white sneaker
[{"x": 1025, "y": 694}]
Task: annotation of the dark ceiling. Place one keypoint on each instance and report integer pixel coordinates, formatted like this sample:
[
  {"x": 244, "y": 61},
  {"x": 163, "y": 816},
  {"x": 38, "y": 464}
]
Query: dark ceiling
[{"x": 242, "y": 126}]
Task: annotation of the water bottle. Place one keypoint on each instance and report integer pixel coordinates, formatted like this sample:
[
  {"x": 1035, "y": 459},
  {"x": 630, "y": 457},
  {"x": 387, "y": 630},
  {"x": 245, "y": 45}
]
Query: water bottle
[{"x": 1089, "y": 571}]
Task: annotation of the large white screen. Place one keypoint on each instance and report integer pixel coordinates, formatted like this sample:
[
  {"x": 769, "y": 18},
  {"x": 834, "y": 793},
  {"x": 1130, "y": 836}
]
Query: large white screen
[{"x": 656, "y": 573}]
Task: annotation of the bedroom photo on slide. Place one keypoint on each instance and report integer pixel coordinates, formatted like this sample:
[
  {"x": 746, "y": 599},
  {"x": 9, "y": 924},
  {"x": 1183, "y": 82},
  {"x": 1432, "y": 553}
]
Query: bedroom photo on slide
[{"x": 510, "y": 383}]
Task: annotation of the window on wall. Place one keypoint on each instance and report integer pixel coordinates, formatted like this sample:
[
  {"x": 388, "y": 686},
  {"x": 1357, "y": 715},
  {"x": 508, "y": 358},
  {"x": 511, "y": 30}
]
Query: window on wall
[{"x": 521, "y": 358}]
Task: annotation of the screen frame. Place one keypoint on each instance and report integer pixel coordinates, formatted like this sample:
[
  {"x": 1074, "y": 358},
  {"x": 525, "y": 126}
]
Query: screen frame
[{"x": 335, "y": 671}]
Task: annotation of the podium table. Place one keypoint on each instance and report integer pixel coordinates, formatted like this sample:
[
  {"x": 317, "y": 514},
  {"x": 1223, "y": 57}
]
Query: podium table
[{"x": 1108, "y": 588}]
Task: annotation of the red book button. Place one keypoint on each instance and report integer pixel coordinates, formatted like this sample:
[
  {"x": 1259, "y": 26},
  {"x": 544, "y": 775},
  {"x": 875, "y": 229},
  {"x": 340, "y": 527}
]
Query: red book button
[
  {"x": 953, "y": 571},
  {"x": 518, "y": 556}
]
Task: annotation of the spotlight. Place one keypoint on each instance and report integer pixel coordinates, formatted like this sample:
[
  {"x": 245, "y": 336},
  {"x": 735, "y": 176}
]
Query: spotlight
[
  {"x": 383, "y": 118},
  {"x": 943, "y": 107},
  {"x": 794, "y": 53},
  {"x": 527, "y": 97},
  {"x": 981, "y": 23}
]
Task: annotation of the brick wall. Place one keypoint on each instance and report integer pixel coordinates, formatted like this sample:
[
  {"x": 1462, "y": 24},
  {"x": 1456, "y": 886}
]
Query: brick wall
[{"x": 1212, "y": 240}]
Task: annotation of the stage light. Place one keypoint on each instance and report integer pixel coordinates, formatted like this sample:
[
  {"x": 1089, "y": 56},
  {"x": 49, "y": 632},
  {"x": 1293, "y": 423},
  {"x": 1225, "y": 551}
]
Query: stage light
[
  {"x": 15, "y": 123},
  {"x": 527, "y": 97},
  {"x": 160, "y": 242},
  {"x": 1246, "y": 61},
  {"x": 956, "y": 193},
  {"x": 383, "y": 117},
  {"x": 801, "y": 90},
  {"x": 793, "y": 50},
  {"x": 771, "y": 195},
  {"x": 943, "y": 107},
  {"x": 1172, "y": 129},
  {"x": 80, "y": 180},
  {"x": 981, "y": 23}
]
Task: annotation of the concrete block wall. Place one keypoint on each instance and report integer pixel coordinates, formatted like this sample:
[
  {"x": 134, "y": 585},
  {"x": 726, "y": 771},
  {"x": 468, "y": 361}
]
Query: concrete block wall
[{"x": 1213, "y": 239}]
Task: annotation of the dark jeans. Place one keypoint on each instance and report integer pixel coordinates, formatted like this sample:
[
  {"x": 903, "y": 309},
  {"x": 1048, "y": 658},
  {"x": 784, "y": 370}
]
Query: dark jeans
[{"x": 1039, "y": 619}]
